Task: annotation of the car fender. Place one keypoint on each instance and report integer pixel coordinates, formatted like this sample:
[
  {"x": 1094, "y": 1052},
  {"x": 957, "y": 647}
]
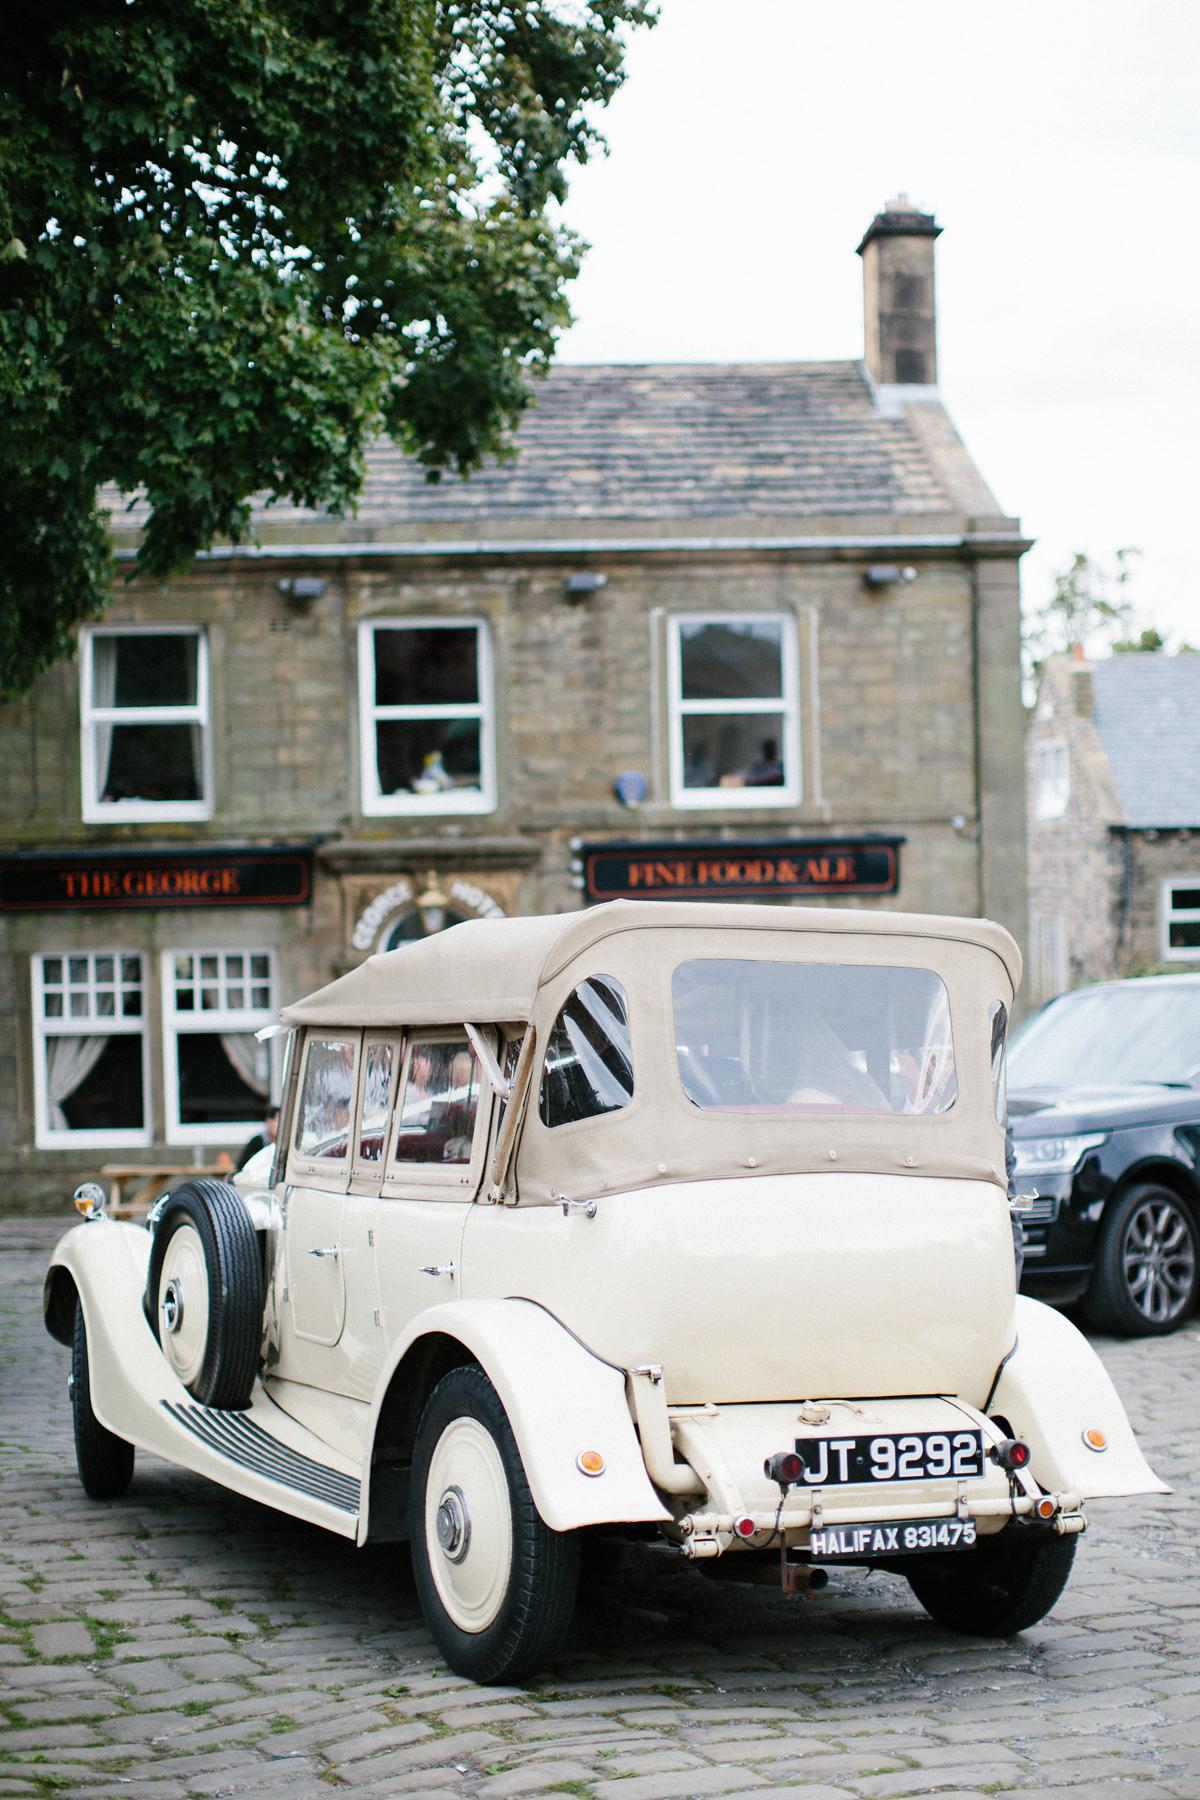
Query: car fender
[
  {"x": 560, "y": 1400},
  {"x": 1053, "y": 1389},
  {"x": 107, "y": 1262}
]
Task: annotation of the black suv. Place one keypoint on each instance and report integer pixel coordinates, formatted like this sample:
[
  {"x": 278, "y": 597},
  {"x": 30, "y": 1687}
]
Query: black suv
[{"x": 1104, "y": 1107}]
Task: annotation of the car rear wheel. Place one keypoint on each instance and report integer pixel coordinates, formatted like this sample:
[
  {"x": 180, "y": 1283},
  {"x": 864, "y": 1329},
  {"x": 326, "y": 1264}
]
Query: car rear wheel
[
  {"x": 496, "y": 1585},
  {"x": 104, "y": 1460},
  {"x": 1004, "y": 1585},
  {"x": 1147, "y": 1265},
  {"x": 204, "y": 1293}
]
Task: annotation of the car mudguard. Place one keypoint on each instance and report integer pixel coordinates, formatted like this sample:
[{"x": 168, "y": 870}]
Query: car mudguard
[
  {"x": 1052, "y": 1390},
  {"x": 560, "y": 1399},
  {"x": 259, "y": 1451}
]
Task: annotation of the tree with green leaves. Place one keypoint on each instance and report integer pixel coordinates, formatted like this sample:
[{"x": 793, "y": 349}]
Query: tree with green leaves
[
  {"x": 1089, "y": 606},
  {"x": 240, "y": 238}
]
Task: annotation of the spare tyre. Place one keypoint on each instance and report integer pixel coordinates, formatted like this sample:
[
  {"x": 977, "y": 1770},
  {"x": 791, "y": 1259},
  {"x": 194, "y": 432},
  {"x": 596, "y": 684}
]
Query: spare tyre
[{"x": 204, "y": 1293}]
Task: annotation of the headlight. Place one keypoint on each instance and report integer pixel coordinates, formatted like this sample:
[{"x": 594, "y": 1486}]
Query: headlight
[{"x": 1053, "y": 1155}]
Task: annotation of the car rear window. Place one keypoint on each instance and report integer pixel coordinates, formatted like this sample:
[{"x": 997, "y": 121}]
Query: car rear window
[{"x": 812, "y": 1037}]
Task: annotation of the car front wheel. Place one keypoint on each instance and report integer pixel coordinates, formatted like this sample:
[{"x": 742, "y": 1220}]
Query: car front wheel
[
  {"x": 497, "y": 1586},
  {"x": 104, "y": 1461},
  {"x": 1004, "y": 1585},
  {"x": 1147, "y": 1265}
]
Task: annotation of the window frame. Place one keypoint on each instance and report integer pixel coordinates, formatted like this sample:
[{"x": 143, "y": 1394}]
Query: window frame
[
  {"x": 537, "y": 1089},
  {"x": 375, "y": 803},
  {"x": 366, "y": 1177},
  {"x": 1168, "y": 913},
  {"x": 428, "y": 1181},
  {"x": 45, "y": 1136},
  {"x": 317, "y": 1172},
  {"x": 177, "y": 1024},
  {"x": 1051, "y": 798},
  {"x": 95, "y": 811},
  {"x": 791, "y": 793}
]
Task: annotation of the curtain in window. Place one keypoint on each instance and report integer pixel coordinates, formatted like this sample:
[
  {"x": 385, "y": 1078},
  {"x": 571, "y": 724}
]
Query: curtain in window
[
  {"x": 69, "y": 1062},
  {"x": 104, "y": 693},
  {"x": 251, "y": 1060}
]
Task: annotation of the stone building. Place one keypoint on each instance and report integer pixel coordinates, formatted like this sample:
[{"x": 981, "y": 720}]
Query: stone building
[
  {"x": 737, "y": 630},
  {"x": 1113, "y": 772}
]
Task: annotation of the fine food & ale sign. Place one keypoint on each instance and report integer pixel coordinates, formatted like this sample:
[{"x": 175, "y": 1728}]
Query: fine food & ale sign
[
  {"x": 86, "y": 882},
  {"x": 765, "y": 869}
]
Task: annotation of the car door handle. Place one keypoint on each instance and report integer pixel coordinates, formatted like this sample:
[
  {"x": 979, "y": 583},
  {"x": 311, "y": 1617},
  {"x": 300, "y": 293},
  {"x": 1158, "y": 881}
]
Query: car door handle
[
  {"x": 333, "y": 1250},
  {"x": 438, "y": 1269}
]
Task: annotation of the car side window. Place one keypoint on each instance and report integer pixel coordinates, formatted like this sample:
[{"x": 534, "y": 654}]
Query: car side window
[
  {"x": 380, "y": 1067},
  {"x": 588, "y": 1067},
  {"x": 438, "y": 1104},
  {"x": 326, "y": 1099}
]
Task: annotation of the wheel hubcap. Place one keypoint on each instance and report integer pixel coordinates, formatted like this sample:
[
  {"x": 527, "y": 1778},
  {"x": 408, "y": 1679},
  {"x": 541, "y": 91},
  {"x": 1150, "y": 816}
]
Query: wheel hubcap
[
  {"x": 454, "y": 1525},
  {"x": 468, "y": 1524},
  {"x": 185, "y": 1335},
  {"x": 172, "y": 1306},
  {"x": 1159, "y": 1260}
]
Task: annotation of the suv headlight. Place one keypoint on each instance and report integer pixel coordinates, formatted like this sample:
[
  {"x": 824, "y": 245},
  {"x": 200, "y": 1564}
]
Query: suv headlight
[{"x": 1054, "y": 1155}]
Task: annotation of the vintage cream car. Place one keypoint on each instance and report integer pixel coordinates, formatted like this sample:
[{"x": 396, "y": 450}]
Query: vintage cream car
[{"x": 677, "y": 1220}]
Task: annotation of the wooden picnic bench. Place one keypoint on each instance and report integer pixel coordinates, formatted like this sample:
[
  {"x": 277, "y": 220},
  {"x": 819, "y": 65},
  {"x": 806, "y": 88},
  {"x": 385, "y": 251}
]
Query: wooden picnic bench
[{"x": 136, "y": 1186}]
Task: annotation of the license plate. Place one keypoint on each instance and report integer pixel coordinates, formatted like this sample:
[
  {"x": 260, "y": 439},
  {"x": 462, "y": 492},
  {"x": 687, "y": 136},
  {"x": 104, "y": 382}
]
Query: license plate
[
  {"x": 911, "y": 1456},
  {"x": 895, "y": 1537}
]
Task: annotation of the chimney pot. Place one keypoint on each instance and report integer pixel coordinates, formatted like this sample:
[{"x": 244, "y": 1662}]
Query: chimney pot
[{"x": 898, "y": 292}]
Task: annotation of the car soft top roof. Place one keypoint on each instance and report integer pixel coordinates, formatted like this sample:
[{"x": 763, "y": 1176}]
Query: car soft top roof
[{"x": 490, "y": 970}]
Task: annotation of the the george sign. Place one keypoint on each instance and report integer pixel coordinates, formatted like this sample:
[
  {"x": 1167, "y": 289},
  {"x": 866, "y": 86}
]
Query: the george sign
[
  {"x": 768, "y": 868},
  {"x": 86, "y": 881}
]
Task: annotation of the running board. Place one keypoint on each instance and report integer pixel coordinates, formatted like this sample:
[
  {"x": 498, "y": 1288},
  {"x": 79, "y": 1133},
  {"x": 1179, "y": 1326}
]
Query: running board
[
  {"x": 246, "y": 1443},
  {"x": 261, "y": 1453}
]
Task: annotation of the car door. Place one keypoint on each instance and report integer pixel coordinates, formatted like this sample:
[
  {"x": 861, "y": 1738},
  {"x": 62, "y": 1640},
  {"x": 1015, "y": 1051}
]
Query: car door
[
  {"x": 329, "y": 1269},
  {"x": 434, "y": 1166}
]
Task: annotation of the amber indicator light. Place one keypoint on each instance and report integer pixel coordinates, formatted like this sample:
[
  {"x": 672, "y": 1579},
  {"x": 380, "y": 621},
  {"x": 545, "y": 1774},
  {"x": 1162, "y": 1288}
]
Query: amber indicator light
[
  {"x": 590, "y": 1462},
  {"x": 1095, "y": 1439}
]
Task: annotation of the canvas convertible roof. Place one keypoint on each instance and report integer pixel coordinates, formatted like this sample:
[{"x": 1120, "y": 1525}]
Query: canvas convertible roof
[{"x": 489, "y": 970}]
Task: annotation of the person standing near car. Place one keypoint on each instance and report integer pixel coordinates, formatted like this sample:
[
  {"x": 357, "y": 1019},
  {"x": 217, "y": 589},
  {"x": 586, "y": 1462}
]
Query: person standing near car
[{"x": 261, "y": 1139}]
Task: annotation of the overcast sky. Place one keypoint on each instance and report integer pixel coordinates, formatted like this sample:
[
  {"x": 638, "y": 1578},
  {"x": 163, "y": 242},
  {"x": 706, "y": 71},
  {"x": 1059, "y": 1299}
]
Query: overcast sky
[{"x": 1059, "y": 145}]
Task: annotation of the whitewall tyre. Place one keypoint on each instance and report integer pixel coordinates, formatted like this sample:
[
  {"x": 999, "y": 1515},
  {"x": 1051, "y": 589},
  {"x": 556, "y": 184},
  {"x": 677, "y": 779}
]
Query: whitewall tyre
[
  {"x": 104, "y": 1461},
  {"x": 497, "y": 1586},
  {"x": 204, "y": 1293}
]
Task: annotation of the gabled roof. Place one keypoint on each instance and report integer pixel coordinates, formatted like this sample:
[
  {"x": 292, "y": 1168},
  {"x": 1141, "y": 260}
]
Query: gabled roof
[
  {"x": 628, "y": 441},
  {"x": 1147, "y": 717},
  {"x": 667, "y": 441}
]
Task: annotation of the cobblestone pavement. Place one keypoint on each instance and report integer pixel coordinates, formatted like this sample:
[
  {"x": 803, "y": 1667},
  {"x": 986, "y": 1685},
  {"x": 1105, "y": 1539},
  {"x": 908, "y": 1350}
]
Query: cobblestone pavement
[{"x": 185, "y": 1642}]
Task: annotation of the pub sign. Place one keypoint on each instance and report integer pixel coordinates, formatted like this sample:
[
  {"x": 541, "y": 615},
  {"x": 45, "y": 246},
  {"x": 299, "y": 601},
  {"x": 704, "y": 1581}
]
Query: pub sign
[
  {"x": 762, "y": 869},
  {"x": 86, "y": 881}
]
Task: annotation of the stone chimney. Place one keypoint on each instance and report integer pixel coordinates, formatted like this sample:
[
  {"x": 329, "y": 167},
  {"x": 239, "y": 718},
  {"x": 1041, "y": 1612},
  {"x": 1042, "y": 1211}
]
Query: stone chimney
[{"x": 897, "y": 253}]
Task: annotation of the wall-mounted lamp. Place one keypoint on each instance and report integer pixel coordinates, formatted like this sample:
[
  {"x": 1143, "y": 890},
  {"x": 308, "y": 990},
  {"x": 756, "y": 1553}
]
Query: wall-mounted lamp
[
  {"x": 880, "y": 575},
  {"x": 582, "y": 583},
  {"x": 303, "y": 588}
]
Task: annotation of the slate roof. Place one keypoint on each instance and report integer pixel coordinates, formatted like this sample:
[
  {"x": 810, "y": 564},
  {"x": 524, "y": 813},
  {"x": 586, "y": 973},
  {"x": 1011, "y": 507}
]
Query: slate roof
[
  {"x": 669, "y": 441},
  {"x": 1147, "y": 716}
]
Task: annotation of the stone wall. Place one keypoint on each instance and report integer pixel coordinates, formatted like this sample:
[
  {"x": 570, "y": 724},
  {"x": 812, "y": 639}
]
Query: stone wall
[
  {"x": 1074, "y": 861},
  {"x": 1154, "y": 858},
  {"x": 890, "y": 746}
]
